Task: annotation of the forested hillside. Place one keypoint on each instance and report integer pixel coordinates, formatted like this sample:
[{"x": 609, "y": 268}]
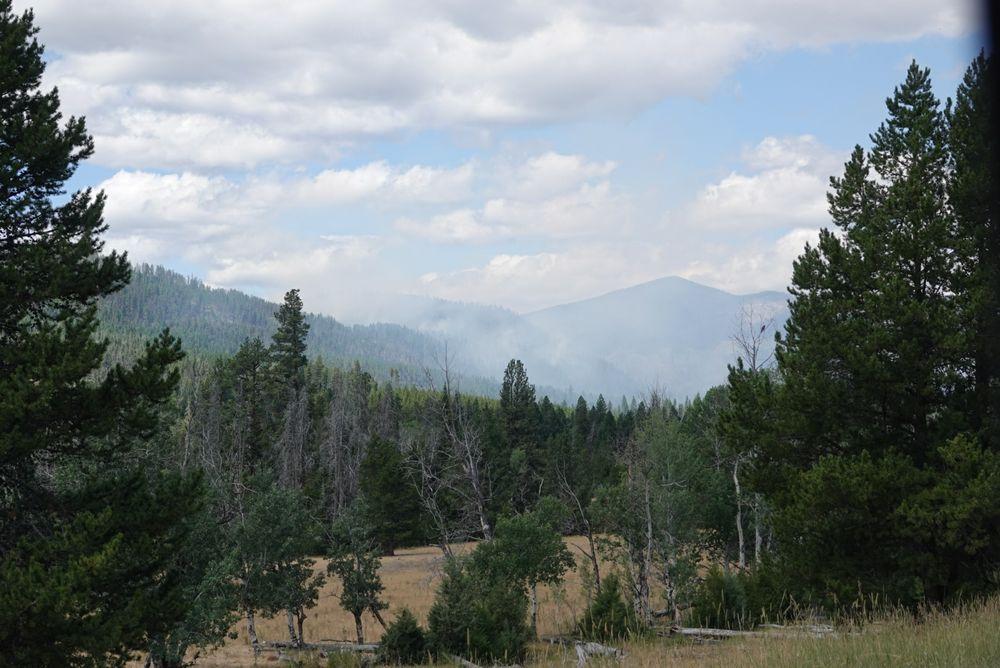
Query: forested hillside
[{"x": 213, "y": 322}]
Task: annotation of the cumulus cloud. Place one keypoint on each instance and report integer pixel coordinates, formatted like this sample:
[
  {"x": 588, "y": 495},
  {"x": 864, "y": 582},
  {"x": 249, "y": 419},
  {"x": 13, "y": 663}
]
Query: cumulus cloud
[
  {"x": 313, "y": 265},
  {"x": 173, "y": 85},
  {"x": 755, "y": 267},
  {"x": 786, "y": 185},
  {"x": 547, "y": 196}
]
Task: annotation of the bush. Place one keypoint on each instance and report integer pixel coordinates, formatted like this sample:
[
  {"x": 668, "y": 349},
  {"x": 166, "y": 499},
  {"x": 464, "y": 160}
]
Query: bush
[
  {"x": 739, "y": 600},
  {"x": 478, "y": 618},
  {"x": 720, "y": 601},
  {"x": 609, "y": 617},
  {"x": 404, "y": 642}
]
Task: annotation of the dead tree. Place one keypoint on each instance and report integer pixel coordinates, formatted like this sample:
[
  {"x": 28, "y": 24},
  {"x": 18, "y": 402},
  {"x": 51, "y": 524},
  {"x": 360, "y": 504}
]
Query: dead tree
[
  {"x": 584, "y": 523},
  {"x": 755, "y": 324}
]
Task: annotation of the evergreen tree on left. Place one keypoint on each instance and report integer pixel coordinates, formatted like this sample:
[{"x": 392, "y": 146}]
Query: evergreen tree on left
[{"x": 87, "y": 531}]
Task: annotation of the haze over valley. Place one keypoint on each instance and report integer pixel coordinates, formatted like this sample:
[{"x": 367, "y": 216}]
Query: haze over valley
[{"x": 670, "y": 335}]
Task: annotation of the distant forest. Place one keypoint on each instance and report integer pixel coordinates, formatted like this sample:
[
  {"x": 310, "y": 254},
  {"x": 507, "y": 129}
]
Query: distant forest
[{"x": 213, "y": 322}]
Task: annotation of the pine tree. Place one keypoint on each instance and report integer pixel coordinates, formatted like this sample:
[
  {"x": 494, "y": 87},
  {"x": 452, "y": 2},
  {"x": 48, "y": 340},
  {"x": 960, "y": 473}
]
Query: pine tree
[
  {"x": 973, "y": 196},
  {"x": 87, "y": 534},
  {"x": 288, "y": 346},
  {"x": 392, "y": 507},
  {"x": 873, "y": 383}
]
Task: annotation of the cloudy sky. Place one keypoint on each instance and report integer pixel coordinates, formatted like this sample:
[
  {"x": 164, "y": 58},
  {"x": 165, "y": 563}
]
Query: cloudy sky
[{"x": 521, "y": 154}]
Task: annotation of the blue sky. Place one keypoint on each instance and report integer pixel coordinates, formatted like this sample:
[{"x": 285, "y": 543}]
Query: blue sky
[{"x": 526, "y": 156}]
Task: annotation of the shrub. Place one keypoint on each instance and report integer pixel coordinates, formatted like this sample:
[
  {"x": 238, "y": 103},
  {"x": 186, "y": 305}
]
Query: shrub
[
  {"x": 479, "y": 618},
  {"x": 404, "y": 642},
  {"x": 720, "y": 601},
  {"x": 740, "y": 600},
  {"x": 609, "y": 617}
]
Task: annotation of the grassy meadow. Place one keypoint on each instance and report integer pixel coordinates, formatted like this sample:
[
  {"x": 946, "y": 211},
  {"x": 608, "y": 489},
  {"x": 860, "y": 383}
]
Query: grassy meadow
[{"x": 968, "y": 636}]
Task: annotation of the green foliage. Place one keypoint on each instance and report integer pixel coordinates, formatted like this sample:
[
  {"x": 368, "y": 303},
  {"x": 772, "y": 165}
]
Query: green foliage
[
  {"x": 89, "y": 527},
  {"x": 288, "y": 345},
  {"x": 404, "y": 642},
  {"x": 207, "y": 571},
  {"x": 354, "y": 559},
  {"x": 272, "y": 542},
  {"x": 392, "y": 507},
  {"x": 741, "y": 599},
  {"x": 887, "y": 360},
  {"x": 609, "y": 617},
  {"x": 478, "y": 618},
  {"x": 721, "y": 602},
  {"x": 525, "y": 551}
]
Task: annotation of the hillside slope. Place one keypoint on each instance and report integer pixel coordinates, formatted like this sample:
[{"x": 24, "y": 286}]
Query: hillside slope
[{"x": 214, "y": 321}]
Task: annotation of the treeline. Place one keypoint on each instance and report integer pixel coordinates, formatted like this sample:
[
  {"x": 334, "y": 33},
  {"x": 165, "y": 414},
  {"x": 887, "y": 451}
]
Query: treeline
[
  {"x": 301, "y": 459},
  {"x": 214, "y": 322}
]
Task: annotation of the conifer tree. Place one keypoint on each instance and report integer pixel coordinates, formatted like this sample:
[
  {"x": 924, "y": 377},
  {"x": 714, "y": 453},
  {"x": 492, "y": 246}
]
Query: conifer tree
[
  {"x": 86, "y": 533},
  {"x": 873, "y": 369},
  {"x": 973, "y": 196},
  {"x": 288, "y": 346}
]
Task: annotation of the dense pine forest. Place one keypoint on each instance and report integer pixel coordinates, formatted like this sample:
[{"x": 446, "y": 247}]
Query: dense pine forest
[
  {"x": 214, "y": 322},
  {"x": 151, "y": 499}
]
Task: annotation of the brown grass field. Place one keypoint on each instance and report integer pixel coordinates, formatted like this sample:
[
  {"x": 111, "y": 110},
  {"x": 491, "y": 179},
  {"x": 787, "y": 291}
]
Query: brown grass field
[
  {"x": 410, "y": 578},
  {"x": 969, "y": 636}
]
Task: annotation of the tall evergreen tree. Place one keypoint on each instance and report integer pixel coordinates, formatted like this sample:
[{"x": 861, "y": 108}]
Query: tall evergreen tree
[
  {"x": 86, "y": 534},
  {"x": 873, "y": 383},
  {"x": 972, "y": 193},
  {"x": 288, "y": 347}
]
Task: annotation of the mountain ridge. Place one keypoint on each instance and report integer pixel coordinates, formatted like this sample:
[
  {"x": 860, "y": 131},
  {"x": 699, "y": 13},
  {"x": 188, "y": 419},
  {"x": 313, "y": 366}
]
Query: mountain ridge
[{"x": 670, "y": 334}]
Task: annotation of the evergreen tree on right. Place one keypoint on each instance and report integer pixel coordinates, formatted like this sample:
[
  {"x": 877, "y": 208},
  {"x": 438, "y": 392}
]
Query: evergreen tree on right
[{"x": 880, "y": 476}]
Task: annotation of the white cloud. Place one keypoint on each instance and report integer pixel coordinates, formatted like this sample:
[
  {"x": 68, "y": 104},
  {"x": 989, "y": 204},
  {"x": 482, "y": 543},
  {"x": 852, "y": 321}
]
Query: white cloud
[
  {"x": 553, "y": 173},
  {"x": 546, "y": 196},
  {"x": 229, "y": 83},
  {"x": 787, "y": 187},
  {"x": 334, "y": 260},
  {"x": 756, "y": 267},
  {"x": 529, "y": 282}
]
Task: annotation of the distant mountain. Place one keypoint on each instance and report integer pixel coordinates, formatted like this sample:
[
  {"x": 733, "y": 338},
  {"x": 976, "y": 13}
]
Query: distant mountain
[
  {"x": 214, "y": 321},
  {"x": 669, "y": 334}
]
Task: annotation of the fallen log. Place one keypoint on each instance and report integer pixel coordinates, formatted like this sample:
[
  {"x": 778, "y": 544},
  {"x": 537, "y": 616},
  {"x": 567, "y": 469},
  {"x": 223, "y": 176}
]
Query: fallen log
[
  {"x": 585, "y": 650},
  {"x": 323, "y": 646},
  {"x": 462, "y": 662},
  {"x": 788, "y": 632},
  {"x": 465, "y": 663}
]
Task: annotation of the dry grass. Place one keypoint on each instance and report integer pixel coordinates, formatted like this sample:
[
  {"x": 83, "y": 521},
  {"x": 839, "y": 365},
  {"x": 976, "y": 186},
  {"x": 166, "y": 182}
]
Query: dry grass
[
  {"x": 966, "y": 637},
  {"x": 410, "y": 578}
]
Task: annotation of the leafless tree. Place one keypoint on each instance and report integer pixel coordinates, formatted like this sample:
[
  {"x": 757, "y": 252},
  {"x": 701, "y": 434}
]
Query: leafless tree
[
  {"x": 755, "y": 325},
  {"x": 292, "y": 441}
]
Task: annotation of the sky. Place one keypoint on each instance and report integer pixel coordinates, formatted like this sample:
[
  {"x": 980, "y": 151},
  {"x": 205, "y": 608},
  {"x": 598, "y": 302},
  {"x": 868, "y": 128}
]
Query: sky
[{"x": 521, "y": 154}]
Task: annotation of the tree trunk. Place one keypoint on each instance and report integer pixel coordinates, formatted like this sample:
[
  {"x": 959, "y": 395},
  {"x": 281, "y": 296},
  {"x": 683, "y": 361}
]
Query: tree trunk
[
  {"x": 739, "y": 515},
  {"x": 300, "y": 618},
  {"x": 533, "y": 593},
  {"x": 291, "y": 627},
  {"x": 252, "y": 633},
  {"x": 758, "y": 534},
  {"x": 378, "y": 618},
  {"x": 645, "y": 611},
  {"x": 359, "y": 628},
  {"x": 670, "y": 592}
]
